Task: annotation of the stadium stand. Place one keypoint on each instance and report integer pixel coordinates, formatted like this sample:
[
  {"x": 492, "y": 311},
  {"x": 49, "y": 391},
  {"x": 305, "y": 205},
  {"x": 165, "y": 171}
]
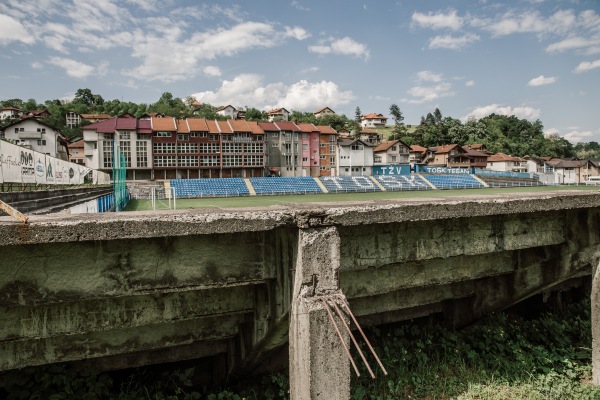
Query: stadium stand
[
  {"x": 402, "y": 182},
  {"x": 210, "y": 187},
  {"x": 343, "y": 184},
  {"x": 285, "y": 185},
  {"x": 458, "y": 181},
  {"x": 505, "y": 181}
]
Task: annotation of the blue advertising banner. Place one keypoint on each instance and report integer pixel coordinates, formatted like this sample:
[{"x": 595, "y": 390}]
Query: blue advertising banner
[
  {"x": 502, "y": 173},
  {"x": 442, "y": 170},
  {"x": 390, "y": 170}
]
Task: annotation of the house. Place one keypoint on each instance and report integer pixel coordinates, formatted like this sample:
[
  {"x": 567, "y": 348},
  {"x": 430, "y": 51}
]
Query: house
[
  {"x": 40, "y": 114},
  {"x": 477, "y": 159},
  {"x": 323, "y": 111},
  {"x": 567, "y": 172},
  {"x": 449, "y": 155},
  {"x": 278, "y": 114},
  {"x": 506, "y": 163},
  {"x": 76, "y": 153},
  {"x": 289, "y": 149},
  {"x": 37, "y": 135},
  {"x": 589, "y": 168},
  {"x": 73, "y": 119},
  {"x": 416, "y": 154},
  {"x": 373, "y": 120},
  {"x": 370, "y": 136},
  {"x": 228, "y": 111},
  {"x": 393, "y": 152},
  {"x": 327, "y": 151},
  {"x": 309, "y": 142},
  {"x": 9, "y": 113},
  {"x": 355, "y": 157}
]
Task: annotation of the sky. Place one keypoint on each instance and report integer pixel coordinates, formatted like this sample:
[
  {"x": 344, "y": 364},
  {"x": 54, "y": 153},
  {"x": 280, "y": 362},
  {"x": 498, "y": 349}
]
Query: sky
[{"x": 535, "y": 59}]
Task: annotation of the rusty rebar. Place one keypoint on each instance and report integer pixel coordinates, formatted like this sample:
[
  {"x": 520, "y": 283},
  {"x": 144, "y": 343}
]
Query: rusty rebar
[
  {"x": 339, "y": 313},
  {"x": 345, "y": 302},
  {"x": 340, "y": 335}
]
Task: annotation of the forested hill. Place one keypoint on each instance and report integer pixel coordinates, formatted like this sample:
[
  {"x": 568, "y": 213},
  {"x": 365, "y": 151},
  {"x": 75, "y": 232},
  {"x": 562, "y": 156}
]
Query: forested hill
[{"x": 499, "y": 133}]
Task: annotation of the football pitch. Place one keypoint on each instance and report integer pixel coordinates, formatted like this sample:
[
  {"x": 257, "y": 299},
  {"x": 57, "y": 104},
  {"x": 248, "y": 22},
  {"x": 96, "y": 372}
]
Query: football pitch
[{"x": 265, "y": 201}]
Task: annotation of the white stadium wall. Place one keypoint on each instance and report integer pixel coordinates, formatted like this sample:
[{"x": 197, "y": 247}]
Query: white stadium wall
[{"x": 21, "y": 165}]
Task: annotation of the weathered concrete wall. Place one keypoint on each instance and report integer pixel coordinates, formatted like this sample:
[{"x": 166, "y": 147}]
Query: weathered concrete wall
[{"x": 122, "y": 288}]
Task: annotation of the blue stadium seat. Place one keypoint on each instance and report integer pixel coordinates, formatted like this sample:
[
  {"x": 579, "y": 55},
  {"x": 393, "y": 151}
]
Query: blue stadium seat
[
  {"x": 341, "y": 184},
  {"x": 457, "y": 181},
  {"x": 209, "y": 187},
  {"x": 285, "y": 185},
  {"x": 402, "y": 182}
]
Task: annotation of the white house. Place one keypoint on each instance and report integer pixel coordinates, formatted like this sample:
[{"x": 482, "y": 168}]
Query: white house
[
  {"x": 9, "y": 113},
  {"x": 228, "y": 111},
  {"x": 38, "y": 136},
  {"x": 393, "y": 152},
  {"x": 373, "y": 120},
  {"x": 505, "y": 163},
  {"x": 323, "y": 111},
  {"x": 278, "y": 114},
  {"x": 355, "y": 157}
]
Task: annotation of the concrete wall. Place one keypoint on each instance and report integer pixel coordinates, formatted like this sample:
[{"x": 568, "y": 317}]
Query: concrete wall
[{"x": 140, "y": 288}]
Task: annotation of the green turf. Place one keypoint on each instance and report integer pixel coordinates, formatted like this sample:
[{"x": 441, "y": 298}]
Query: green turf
[{"x": 263, "y": 201}]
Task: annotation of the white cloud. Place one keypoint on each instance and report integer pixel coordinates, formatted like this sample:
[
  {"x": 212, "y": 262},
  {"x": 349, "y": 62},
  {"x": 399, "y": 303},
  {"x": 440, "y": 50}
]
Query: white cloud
[
  {"x": 212, "y": 70},
  {"x": 561, "y": 22},
  {"x": 250, "y": 89},
  {"x": 576, "y": 136},
  {"x": 37, "y": 65},
  {"x": 428, "y": 76},
  {"x": 344, "y": 46},
  {"x": 528, "y": 113},
  {"x": 296, "y": 32},
  {"x": 298, "y": 6},
  {"x": 309, "y": 69},
  {"x": 542, "y": 80},
  {"x": 438, "y": 21},
  {"x": 425, "y": 94},
  {"x": 73, "y": 68},
  {"x": 12, "y": 30},
  {"x": 572, "y": 43},
  {"x": 586, "y": 66},
  {"x": 452, "y": 42},
  {"x": 470, "y": 83}
]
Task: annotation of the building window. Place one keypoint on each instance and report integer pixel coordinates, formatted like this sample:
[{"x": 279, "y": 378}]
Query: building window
[
  {"x": 187, "y": 161},
  {"x": 141, "y": 149},
  {"x": 304, "y": 147},
  {"x": 193, "y": 134},
  {"x": 209, "y": 147},
  {"x": 41, "y": 142},
  {"x": 183, "y": 137},
  {"x": 187, "y": 147},
  {"x": 125, "y": 146},
  {"x": 213, "y": 137},
  {"x": 332, "y": 160},
  {"x": 162, "y": 148},
  {"x": 108, "y": 136},
  {"x": 274, "y": 135},
  {"x": 304, "y": 159},
  {"x": 253, "y": 160},
  {"x": 107, "y": 154},
  {"x": 125, "y": 135},
  {"x": 164, "y": 161},
  {"x": 162, "y": 134},
  {"x": 357, "y": 146},
  {"x": 209, "y": 161}
]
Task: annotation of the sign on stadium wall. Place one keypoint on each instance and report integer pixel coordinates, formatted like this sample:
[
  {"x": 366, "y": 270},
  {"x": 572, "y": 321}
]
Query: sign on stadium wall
[
  {"x": 21, "y": 165},
  {"x": 442, "y": 170},
  {"x": 502, "y": 173},
  {"x": 391, "y": 170}
]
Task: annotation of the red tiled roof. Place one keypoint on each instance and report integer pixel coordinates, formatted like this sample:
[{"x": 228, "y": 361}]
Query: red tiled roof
[
  {"x": 445, "y": 148},
  {"x": 498, "y": 157},
  {"x": 288, "y": 126},
  {"x": 320, "y": 110},
  {"x": 326, "y": 130},
  {"x": 224, "y": 127},
  {"x": 182, "y": 126},
  {"x": 163, "y": 124},
  {"x": 105, "y": 126},
  {"x": 76, "y": 145},
  {"x": 197, "y": 125},
  {"x": 416, "y": 148},
  {"x": 307, "y": 128},
  {"x": 385, "y": 146},
  {"x": 144, "y": 126},
  {"x": 238, "y": 125},
  {"x": 256, "y": 129},
  {"x": 369, "y": 131},
  {"x": 373, "y": 115},
  {"x": 277, "y": 111},
  {"x": 268, "y": 126},
  {"x": 125, "y": 123},
  {"x": 212, "y": 126}
]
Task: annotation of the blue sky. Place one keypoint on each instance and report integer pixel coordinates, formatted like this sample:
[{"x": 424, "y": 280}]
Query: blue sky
[{"x": 536, "y": 59}]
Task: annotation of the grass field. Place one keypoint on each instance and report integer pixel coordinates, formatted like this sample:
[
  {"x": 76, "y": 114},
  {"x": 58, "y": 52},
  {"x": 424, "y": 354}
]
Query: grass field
[{"x": 265, "y": 201}]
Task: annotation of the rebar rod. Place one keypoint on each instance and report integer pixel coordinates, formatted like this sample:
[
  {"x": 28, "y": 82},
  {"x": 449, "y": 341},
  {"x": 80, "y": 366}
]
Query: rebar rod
[
  {"x": 339, "y": 313},
  {"x": 362, "y": 333},
  {"x": 340, "y": 335}
]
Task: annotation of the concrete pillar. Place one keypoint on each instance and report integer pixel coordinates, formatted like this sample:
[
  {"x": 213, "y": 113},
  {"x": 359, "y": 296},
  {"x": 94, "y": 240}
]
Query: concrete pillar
[
  {"x": 596, "y": 326},
  {"x": 319, "y": 366}
]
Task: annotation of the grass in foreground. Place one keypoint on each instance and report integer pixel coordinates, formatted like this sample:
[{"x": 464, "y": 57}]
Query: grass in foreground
[{"x": 265, "y": 201}]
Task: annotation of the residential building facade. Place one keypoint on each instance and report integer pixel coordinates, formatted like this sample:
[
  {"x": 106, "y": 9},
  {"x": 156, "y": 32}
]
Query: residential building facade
[
  {"x": 37, "y": 135},
  {"x": 355, "y": 157},
  {"x": 392, "y": 152}
]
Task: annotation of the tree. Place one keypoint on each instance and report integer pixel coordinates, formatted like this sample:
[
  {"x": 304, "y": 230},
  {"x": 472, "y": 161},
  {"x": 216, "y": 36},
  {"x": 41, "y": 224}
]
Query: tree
[
  {"x": 357, "y": 114},
  {"x": 254, "y": 114},
  {"x": 399, "y": 127},
  {"x": 85, "y": 96}
]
